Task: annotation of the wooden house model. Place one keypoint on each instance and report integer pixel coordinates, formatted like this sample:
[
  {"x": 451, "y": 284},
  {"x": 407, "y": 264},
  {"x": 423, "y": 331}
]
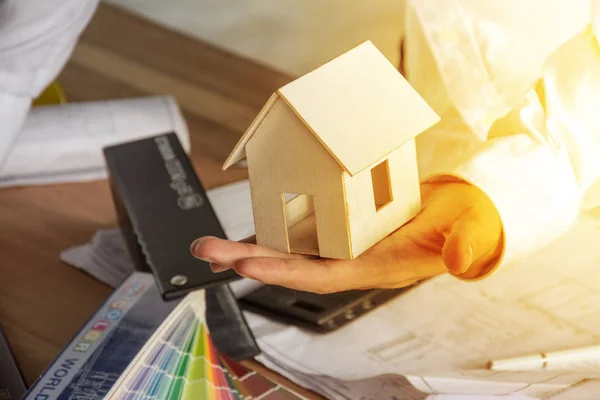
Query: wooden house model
[{"x": 331, "y": 157}]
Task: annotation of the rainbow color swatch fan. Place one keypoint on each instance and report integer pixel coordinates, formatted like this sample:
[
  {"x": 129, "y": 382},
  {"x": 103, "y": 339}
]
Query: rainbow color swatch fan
[{"x": 181, "y": 362}]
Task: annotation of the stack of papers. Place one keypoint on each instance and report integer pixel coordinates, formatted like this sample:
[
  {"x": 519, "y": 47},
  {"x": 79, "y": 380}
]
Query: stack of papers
[
  {"x": 437, "y": 338},
  {"x": 63, "y": 143}
]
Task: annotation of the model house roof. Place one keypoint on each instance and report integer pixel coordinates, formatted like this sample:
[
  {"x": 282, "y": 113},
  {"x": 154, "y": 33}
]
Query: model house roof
[{"x": 358, "y": 106}]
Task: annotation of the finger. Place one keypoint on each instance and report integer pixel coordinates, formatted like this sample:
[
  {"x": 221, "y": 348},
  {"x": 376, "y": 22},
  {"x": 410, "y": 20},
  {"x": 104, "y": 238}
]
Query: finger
[
  {"x": 473, "y": 238},
  {"x": 226, "y": 253},
  {"x": 317, "y": 276},
  {"x": 457, "y": 252}
]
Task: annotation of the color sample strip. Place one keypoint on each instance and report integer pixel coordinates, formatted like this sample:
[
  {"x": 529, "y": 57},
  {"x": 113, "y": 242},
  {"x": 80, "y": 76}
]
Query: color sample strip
[
  {"x": 176, "y": 387},
  {"x": 239, "y": 374},
  {"x": 196, "y": 385},
  {"x": 219, "y": 382},
  {"x": 231, "y": 382},
  {"x": 210, "y": 374}
]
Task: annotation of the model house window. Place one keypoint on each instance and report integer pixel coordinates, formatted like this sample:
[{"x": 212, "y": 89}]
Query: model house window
[{"x": 382, "y": 188}]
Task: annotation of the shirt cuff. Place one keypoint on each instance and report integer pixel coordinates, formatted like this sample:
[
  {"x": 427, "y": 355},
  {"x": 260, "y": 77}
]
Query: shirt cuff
[{"x": 533, "y": 188}]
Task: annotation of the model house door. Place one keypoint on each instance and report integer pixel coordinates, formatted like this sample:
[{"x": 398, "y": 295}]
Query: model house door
[{"x": 301, "y": 223}]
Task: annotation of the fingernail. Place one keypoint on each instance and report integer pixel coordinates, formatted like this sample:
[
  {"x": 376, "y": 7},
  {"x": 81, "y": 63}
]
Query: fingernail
[
  {"x": 195, "y": 244},
  {"x": 216, "y": 268},
  {"x": 193, "y": 250}
]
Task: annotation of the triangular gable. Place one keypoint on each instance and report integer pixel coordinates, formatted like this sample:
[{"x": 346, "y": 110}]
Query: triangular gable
[{"x": 239, "y": 151}]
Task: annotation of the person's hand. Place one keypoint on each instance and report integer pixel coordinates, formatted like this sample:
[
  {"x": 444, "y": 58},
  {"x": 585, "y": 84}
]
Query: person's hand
[{"x": 457, "y": 230}]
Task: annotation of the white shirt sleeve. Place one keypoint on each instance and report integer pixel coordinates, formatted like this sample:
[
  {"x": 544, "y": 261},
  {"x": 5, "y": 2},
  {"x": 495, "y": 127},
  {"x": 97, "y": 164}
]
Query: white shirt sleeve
[
  {"x": 36, "y": 40},
  {"x": 525, "y": 127}
]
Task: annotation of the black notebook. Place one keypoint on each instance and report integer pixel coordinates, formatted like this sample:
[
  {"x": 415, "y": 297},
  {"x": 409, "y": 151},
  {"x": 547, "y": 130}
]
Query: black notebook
[{"x": 162, "y": 208}]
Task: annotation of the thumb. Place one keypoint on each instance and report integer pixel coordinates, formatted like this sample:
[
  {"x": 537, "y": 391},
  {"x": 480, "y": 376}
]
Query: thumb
[{"x": 472, "y": 238}]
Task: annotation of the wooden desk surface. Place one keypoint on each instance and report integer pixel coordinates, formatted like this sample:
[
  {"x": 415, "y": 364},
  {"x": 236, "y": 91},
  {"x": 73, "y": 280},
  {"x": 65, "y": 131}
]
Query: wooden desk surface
[{"x": 43, "y": 302}]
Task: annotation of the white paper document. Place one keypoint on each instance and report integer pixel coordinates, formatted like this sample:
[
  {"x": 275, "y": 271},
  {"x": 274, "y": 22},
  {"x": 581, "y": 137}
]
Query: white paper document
[
  {"x": 63, "y": 143},
  {"x": 437, "y": 338},
  {"x": 442, "y": 334}
]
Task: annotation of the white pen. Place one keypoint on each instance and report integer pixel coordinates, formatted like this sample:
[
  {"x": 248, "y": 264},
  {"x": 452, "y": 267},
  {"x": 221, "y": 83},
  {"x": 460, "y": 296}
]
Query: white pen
[{"x": 547, "y": 360}]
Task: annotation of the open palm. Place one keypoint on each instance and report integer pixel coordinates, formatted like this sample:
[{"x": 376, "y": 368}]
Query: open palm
[{"x": 457, "y": 230}]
